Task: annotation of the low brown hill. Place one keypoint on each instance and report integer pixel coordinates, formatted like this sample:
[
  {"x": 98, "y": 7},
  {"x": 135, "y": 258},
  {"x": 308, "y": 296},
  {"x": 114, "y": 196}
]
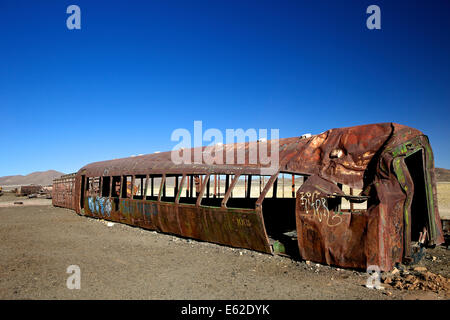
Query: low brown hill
[
  {"x": 442, "y": 175},
  {"x": 40, "y": 177}
]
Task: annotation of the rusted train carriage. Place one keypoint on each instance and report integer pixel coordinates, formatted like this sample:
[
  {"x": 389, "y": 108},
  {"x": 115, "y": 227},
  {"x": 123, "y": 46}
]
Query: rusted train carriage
[
  {"x": 27, "y": 190},
  {"x": 63, "y": 191},
  {"x": 350, "y": 197}
]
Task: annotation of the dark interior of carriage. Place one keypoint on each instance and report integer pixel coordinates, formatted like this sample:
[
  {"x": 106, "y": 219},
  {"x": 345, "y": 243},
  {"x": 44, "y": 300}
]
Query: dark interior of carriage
[
  {"x": 106, "y": 186},
  {"x": 419, "y": 205},
  {"x": 279, "y": 220}
]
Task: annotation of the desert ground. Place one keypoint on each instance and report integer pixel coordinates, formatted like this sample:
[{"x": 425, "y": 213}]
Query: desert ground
[
  {"x": 443, "y": 191},
  {"x": 39, "y": 242}
]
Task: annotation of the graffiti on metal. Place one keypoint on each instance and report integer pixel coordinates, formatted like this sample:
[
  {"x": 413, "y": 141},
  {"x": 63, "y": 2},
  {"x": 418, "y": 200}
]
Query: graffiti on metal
[
  {"x": 100, "y": 205},
  {"x": 316, "y": 206}
]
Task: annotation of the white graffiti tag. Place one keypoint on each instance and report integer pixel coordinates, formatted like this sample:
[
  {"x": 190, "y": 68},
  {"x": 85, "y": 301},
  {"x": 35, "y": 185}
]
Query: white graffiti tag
[
  {"x": 108, "y": 207},
  {"x": 317, "y": 206}
]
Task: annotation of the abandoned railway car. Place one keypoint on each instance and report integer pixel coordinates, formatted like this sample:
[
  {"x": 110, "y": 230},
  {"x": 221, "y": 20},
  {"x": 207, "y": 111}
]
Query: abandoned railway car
[{"x": 349, "y": 197}]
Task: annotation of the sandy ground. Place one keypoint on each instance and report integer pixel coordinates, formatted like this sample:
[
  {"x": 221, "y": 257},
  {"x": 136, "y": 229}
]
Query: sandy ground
[
  {"x": 8, "y": 201},
  {"x": 39, "y": 243},
  {"x": 443, "y": 191}
]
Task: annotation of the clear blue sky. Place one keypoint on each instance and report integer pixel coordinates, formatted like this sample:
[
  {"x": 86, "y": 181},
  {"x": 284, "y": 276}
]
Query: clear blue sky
[{"x": 137, "y": 70}]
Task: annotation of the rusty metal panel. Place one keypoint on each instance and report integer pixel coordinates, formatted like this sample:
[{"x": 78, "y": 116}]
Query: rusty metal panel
[
  {"x": 168, "y": 218},
  {"x": 242, "y": 228},
  {"x": 161, "y": 163},
  {"x": 239, "y": 228},
  {"x": 192, "y": 222},
  {"x": 63, "y": 191}
]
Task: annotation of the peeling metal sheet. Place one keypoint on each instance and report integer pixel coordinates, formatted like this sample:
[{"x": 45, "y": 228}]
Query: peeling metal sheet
[{"x": 379, "y": 235}]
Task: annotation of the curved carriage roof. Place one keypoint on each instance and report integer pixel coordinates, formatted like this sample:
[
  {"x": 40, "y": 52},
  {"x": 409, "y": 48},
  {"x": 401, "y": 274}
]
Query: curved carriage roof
[{"x": 341, "y": 155}]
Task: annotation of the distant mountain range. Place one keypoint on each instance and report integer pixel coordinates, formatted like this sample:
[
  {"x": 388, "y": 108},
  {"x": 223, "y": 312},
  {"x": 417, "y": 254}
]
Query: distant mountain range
[{"x": 43, "y": 178}]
